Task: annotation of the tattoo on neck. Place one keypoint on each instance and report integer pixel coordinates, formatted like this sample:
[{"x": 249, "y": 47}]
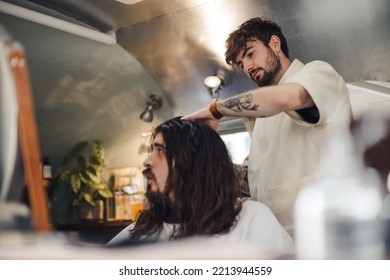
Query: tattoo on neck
[{"x": 241, "y": 103}]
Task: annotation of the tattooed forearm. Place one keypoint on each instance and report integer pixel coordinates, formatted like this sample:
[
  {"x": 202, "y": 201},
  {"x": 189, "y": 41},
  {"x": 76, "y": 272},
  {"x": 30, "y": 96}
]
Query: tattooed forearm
[{"x": 240, "y": 103}]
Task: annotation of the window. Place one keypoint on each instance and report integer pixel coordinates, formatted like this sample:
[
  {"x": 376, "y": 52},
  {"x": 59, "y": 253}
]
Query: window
[{"x": 238, "y": 145}]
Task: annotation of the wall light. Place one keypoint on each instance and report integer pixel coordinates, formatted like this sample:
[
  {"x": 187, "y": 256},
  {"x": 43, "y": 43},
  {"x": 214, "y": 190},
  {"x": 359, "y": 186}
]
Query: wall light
[
  {"x": 154, "y": 102},
  {"x": 215, "y": 82}
]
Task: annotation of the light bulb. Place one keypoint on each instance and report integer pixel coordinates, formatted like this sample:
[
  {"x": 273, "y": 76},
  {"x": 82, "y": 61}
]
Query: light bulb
[
  {"x": 212, "y": 82},
  {"x": 147, "y": 115}
]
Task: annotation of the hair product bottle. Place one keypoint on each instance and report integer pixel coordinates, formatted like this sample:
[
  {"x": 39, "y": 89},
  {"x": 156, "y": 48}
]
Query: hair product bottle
[{"x": 338, "y": 215}]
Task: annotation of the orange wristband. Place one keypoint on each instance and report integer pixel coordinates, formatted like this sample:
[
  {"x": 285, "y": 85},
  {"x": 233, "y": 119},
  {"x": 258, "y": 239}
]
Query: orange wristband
[{"x": 214, "y": 111}]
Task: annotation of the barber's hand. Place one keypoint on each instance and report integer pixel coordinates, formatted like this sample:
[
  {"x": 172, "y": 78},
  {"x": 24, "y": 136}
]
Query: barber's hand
[{"x": 203, "y": 115}]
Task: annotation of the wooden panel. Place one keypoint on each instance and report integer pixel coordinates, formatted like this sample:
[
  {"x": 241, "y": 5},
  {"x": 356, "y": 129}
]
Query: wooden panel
[{"x": 29, "y": 142}]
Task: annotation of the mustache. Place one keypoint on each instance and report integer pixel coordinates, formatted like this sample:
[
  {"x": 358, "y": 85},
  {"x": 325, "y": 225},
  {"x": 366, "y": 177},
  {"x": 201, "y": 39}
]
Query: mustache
[
  {"x": 147, "y": 172},
  {"x": 254, "y": 71}
]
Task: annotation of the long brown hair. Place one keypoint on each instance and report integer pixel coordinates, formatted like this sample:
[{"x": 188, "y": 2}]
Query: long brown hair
[{"x": 202, "y": 181}]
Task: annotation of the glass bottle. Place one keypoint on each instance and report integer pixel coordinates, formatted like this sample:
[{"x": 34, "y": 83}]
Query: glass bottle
[
  {"x": 337, "y": 216},
  {"x": 46, "y": 169}
]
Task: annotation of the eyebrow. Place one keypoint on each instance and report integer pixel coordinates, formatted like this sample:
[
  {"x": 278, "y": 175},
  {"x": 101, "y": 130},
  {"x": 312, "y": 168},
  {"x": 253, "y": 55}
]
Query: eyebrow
[
  {"x": 158, "y": 145},
  {"x": 243, "y": 55},
  {"x": 246, "y": 50}
]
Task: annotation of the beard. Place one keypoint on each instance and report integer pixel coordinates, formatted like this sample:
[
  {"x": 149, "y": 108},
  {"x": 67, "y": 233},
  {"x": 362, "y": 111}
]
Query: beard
[
  {"x": 154, "y": 198},
  {"x": 272, "y": 70}
]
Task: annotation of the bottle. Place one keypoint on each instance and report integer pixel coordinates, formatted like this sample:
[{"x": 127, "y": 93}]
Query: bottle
[
  {"x": 337, "y": 216},
  {"x": 46, "y": 169}
]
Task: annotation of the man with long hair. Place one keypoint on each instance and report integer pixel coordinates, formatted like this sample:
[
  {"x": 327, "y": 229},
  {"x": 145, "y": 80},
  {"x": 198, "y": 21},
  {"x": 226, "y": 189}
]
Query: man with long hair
[
  {"x": 192, "y": 191},
  {"x": 295, "y": 106}
]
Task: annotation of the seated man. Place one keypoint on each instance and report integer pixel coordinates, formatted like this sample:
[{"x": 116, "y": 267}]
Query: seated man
[{"x": 193, "y": 191}]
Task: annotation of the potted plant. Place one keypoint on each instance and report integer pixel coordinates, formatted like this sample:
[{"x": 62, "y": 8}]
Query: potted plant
[{"x": 82, "y": 170}]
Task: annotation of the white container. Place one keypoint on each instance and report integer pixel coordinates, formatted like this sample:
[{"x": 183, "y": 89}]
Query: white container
[{"x": 337, "y": 217}]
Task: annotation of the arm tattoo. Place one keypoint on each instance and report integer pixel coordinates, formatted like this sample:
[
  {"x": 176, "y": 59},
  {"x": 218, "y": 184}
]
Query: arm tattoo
[{"x": 240, "y": 103}]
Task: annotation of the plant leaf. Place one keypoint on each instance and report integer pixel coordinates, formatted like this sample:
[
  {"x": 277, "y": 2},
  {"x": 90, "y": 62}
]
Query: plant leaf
[
  {"x": 75, "y": 183},
  {"x": 94, "y": 160},
  {"x": 82, "y": 171},
  {"x": 98, "y": 149},
  {"x": 93, "y": 180},
  {"x": 88, "y": 198},
  {"x": 106, "y": 193},
  {"x": 92, "y": 170}
]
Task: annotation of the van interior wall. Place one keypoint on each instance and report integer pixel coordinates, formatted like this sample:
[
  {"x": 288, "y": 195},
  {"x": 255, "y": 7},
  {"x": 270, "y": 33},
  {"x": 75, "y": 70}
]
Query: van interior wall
[{"x": 85, "y": 90}]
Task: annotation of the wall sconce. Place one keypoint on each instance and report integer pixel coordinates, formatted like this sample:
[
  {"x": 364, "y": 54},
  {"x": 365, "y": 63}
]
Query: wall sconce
[
  {"x": 154, "y": 102},
  {"x": 215, "y": 82}
]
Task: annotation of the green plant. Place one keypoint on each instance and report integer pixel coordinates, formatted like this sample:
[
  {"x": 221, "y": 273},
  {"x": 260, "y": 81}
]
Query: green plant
[{"x": 82, "y": 170}]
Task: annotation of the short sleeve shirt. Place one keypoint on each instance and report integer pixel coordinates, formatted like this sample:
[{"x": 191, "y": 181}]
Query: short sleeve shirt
[{"x": 286, "y": 148}]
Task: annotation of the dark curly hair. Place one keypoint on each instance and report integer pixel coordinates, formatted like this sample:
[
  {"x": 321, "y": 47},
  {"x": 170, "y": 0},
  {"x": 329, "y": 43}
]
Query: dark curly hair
[{"x": 256, "y": 28}]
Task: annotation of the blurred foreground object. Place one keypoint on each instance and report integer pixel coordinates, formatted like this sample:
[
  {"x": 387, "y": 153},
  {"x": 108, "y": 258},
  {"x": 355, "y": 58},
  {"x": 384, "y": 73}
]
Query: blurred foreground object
[
  {"x": 338, "y": 216},
  {"x": 377, "y": 155},
  {"x": 18, "y": 130}
]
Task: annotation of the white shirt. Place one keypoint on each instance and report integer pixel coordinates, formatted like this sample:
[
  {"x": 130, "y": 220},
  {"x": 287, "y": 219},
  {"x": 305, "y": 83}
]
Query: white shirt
[
  {"x": 285, "y": 149},
  {"x": 256, "y": 226}
]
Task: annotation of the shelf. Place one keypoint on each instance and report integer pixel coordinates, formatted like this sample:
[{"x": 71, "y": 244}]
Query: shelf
[{"x": 95, "y": 224}]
